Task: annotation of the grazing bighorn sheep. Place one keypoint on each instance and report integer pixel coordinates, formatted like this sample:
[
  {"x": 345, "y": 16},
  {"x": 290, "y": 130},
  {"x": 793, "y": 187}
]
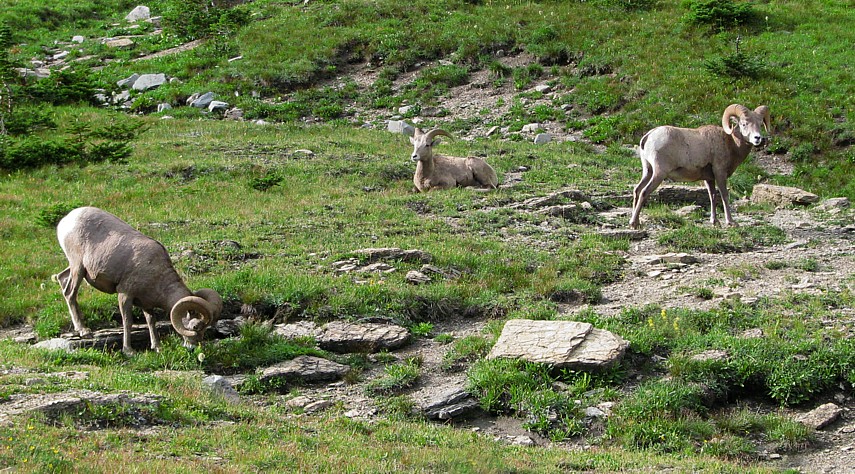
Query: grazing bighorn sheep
[
  {"x": 114, "y": 257},
  {"x": 443, "y": 172},
  {"x": 707, "y": 153}
]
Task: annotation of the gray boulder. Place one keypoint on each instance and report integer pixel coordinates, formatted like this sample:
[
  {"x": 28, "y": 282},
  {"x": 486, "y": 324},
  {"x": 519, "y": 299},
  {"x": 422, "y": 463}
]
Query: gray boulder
[
  {"x": 139, "y": 13},
  {"x": 399, "y": 126},
  {"x": 563, "y": 344},
  {"x": 201, "y": 101},
  {"x": 149, "y": 81},
  {"x": 129, "y": 81}
]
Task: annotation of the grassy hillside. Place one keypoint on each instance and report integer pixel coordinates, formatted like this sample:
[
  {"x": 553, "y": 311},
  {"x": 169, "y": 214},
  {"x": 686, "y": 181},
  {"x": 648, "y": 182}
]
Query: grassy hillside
[{"x": 243, "y": 209}]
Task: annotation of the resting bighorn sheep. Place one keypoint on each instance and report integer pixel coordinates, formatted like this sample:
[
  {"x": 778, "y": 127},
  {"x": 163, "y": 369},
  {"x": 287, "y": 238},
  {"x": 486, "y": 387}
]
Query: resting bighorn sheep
[
  {"x": 443, "y": 172},
  {"x": 114, "y": 257},
  {"x": 710, "y": 153}
]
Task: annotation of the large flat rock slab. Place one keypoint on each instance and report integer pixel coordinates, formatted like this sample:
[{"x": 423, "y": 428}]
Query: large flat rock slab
[
  {"x": 563, "y": 344},
  {"x": 345, "y": 337},
  {"x": 305, "y": 369}
]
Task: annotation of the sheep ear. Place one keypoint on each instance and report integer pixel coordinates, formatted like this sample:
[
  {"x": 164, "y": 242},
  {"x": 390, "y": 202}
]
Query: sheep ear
[{"x": 436, "y": 141}]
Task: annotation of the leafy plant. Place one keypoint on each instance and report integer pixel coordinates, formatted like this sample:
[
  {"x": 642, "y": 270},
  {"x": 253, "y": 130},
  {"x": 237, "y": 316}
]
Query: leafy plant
[{"x": 721, "y": 14}]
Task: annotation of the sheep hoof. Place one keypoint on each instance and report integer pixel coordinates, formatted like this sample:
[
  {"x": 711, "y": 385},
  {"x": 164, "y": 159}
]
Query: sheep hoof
[
  {"x": 85, "y": 332},
  {"x": 129, "y": 352}
]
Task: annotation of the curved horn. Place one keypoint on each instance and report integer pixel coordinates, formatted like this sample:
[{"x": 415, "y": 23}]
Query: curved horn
[
  {"x": 437, "y": 132},
  {"x": 213, "y": 298},
  {"x": 185, "y": 305},
  {"x": 732, "y": 110},
  {"x": 763, "y": 111}
]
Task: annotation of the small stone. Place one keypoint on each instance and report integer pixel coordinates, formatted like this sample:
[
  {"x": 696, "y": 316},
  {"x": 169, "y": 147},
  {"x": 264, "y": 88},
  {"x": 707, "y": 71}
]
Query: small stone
[
  {"x": 417, "y": 278},
  {"x": 530, "y": 128},
  {"x": 317, "y": 406},
  {"x": 821, "y": 416},
  {"x": 399, "y": 126},
  {"x": 542, "y": 138},
  {"x": 119, "y": 43},
  {"x": 78, "y": 39},
  {"x": 543, "y": 88}
]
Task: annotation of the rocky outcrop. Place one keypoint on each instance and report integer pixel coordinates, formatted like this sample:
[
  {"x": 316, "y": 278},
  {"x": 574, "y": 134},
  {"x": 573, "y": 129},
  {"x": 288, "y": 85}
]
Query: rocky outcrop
[
  {"x": 344, "y": 337},
  {"x": 304, "y": 369},
  {"x": 781, "y": 196},
  {"x": 563, "y": 344}
]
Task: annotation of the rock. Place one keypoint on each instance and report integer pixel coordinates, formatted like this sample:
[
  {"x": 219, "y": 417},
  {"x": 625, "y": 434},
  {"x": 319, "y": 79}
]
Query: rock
[
  {"x": 163, "y": 106},
  {"x": 305, "y": 369},
  {"x": 450, "y": 274},
  {"x": 688, "y": 210},
  {"x": 229, "y": 327},
  {"x": 221, "y": 386},
  {"x": 298, "y": 329},
  {"x": 542, "y": 138},
  {"x": 399, "y": 126},
  {"x": 417, "y": 277},
  {"x": 454, "y": 403},
  {"x": 781, "y": 196},
  {"x": 834, "y": 203},
  {"x": 753, "y": 333},
  {"x": 594, "y": 412},
  {"x": 78, "y": 39},
  {"x": 55, "y": 344},
  {"x": 139, "y": 13},
  {"x": 712, "y": 354},
  {"x": 233, "y": 114},
  {"x": 217, "y": 106},
  {"x": 377, "y": 267},
  {"x": 404, "y": 109},
  {"x": 563, "y": 344},
  {"x": 149, "y": 81},
  {"x": 821, "y": 416},
  {"x": 55, "y": 405},
  {"x": 530, "y": 128},
  {"x": 432, "y": 112},
  {"x": 119, "y": 43},
  {"x": 394, "y": 253},
  {"x": 345, "y": 337},
  {"x": 317, "y": 406},
  {"x": 629, "y": 234},
  {"x": 543, "y": 88},
  {"x": 683, "y": 258},
  {"x": 201, "y": 101},
  {"x": 298, "y": 402},
  {"x": 492, "y": 130},
  {"x": 60, "y": 55},
  {"x": 522, "y": 440}
]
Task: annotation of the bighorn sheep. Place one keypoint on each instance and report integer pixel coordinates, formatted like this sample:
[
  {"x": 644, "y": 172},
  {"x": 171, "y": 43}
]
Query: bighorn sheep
[
  {"x": 707, "y": 153},
  {"x": 114, "y": 257},
  {"x": 443, "y": 172}
]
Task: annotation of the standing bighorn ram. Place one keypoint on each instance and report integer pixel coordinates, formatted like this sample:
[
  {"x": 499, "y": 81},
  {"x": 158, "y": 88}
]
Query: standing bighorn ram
[
  {"x": 114, "y": 257},
  {"x": 709, "y": 153},
  {"x": 435, "y": 171}
]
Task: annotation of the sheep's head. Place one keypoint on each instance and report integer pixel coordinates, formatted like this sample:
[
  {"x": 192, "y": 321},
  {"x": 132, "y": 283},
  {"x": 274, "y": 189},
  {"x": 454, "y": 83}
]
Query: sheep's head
[
  {"x": 751, "y": 122},
  {"x": 423, "y": 143},
  {"x": 191, "y": 315}
]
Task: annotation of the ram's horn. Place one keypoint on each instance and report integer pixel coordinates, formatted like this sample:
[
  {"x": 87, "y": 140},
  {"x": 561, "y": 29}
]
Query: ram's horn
[{"x": 733, "y": 110}]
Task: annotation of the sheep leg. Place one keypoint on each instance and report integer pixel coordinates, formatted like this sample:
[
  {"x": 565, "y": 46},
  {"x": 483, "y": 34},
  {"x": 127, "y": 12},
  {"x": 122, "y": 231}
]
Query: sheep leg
[
  {"x": 126, "y": 306},
  {"x": 70, "y": 280},
  {"x": 646, "y": 171},
  {"x": 711, "y": 191},
  {"x": 721, "y": 183},
  {"x": 654, "y": 181},
  {"x": 152, "y": 331}
]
